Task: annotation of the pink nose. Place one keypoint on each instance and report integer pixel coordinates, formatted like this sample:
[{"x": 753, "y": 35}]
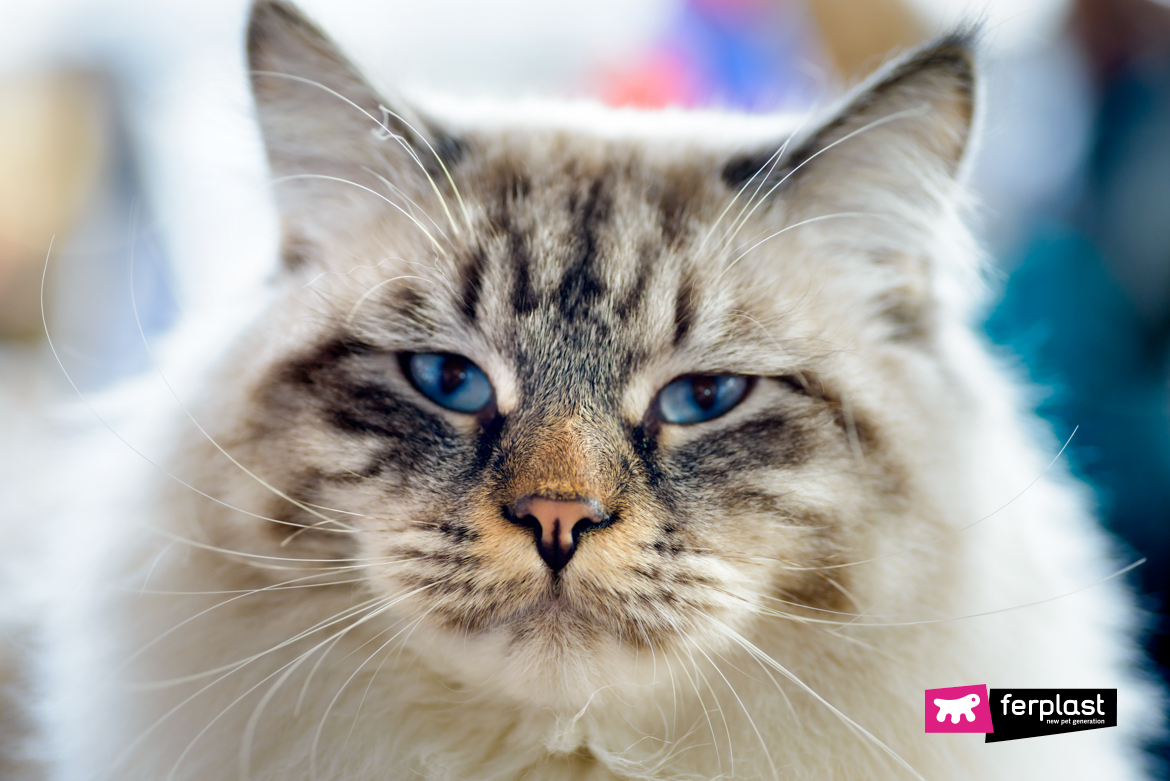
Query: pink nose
[{"x": 557, "y": 524}]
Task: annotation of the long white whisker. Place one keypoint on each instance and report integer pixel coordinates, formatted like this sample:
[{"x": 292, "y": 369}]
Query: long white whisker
[
  {"x": 266, "y": 557},
  {"x": 294, "y": 664},
  {"x": 381, "y": 262},
  {"x": 1065, "y": 595},
  {"x": 810, "y": 220},
  {"x": 748, "y": 646},
  {"x": 321, "y": 724},
  {"x": 204, "y": 612},
  {"x": 341, "y": 180},
  {"x": 133, "y": 745},
  {"x": 439, "y": 160},
  {"x": 773, "y": 161},
  {"x": 394, "y": 189},
  {"x": 224, "y": 670},
  {"x": 914, "y": 112},
  {"x": 996, "y": 511},
  {"x": 751, "y": 721},
  {"x": 702, "y": 706},
  {"x": 387, "y": 133},
  {"x": 770, "y": 165},
  {"x": 278, "y": 587},
  {"x": 150, "y": 353},
  {"x": 373, "y": 289},
  {"x": 112, "y": 430}
]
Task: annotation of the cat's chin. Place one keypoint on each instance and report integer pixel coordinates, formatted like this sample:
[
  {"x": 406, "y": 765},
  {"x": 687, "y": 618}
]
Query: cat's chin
[{"x": 550, "y": 657}]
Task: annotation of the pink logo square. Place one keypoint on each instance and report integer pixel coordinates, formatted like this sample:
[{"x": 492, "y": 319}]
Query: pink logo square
[{"x": 958, "y": 709}]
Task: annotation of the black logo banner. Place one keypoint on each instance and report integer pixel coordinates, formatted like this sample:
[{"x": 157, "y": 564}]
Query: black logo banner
[{"x": 1030, "y": 713}]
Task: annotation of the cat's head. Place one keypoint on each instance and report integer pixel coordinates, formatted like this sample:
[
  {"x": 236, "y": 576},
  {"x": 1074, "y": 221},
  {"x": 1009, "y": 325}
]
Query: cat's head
[{"x": 577, "y": 389}]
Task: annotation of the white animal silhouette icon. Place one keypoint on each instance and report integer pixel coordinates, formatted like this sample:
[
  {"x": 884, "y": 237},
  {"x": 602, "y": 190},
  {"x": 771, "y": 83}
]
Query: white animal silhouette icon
[{"x": 953, "y": 708}]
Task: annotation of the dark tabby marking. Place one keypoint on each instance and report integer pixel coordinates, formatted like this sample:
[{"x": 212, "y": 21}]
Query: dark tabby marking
[
  {"x": 684, "y": 311},
  {"x": 628, "y": 305},
  {"x": 767, "y": 440},
  {"x": 450, "y": 149},
  {"x": 524, "y": 297},
  {"x": 581, "y": 286},
  {"x": 472, "y": 284}
]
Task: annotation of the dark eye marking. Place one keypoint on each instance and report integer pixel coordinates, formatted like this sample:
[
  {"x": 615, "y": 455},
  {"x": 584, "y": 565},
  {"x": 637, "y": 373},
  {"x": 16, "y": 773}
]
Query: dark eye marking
[{"x": 763, "y": 441}]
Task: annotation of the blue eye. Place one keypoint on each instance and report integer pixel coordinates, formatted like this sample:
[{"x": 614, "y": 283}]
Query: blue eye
[
  {"x": 450, "y": 381},
  {"x": 701, "y": 397}
]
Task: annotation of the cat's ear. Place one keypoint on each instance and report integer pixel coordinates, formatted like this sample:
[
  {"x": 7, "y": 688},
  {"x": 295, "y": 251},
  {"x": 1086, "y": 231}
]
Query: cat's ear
[
  {"x": 892, "y": 147},
  {"x": 876, "y": 190},
  {"x": 336, "y": 150}
]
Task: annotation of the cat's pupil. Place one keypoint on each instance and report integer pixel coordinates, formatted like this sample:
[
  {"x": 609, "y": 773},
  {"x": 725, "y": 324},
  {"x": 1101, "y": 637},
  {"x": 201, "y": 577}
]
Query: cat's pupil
[
  {"x": 452, "y": 375},
  {"x": 706, "y": 392}
]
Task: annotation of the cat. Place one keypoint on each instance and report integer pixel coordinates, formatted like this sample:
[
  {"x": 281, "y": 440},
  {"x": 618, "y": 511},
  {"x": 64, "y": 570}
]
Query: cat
[{"x": 574, "y": 443}]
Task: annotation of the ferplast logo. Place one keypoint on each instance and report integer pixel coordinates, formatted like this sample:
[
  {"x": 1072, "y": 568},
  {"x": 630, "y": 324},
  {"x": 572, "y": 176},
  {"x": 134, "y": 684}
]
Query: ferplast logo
[
  {"x": 1030, "y": 713},
  {"x": 1012, "y": 714},
  {"x": 958, "y": 709}
]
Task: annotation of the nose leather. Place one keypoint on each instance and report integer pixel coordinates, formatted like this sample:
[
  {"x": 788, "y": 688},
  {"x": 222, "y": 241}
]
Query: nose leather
[{"x": 556, "y": 524}]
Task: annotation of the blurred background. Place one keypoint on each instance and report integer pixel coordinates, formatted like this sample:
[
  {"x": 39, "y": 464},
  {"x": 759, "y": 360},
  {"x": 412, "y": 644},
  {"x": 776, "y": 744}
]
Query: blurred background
[{"x": 126, "y": 142}]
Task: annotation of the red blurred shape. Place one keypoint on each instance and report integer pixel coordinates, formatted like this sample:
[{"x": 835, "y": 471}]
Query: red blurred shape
[{"x": 661, "y": 79}]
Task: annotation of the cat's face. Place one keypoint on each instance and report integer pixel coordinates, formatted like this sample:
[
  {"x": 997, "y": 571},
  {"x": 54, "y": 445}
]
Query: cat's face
[{"x": 570, "y": 401}]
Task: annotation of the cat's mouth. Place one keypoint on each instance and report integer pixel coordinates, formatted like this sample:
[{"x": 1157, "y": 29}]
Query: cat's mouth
[
  {"x": 562, "y": 608},
  {"x": 557, "y": 604}
]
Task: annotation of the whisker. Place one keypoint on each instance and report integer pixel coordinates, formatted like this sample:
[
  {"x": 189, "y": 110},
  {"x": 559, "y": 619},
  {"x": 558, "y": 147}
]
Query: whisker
[
  {"x": 443, "y": 165},
  {"x": 85, "y": 400},
  {"x": 342, "y": 180},
  {"x": 413, "y": 204},
  {"x": 905, "y": 114},
  {"x": 1023, "y": 606},
  {"x": 856, "y": 622},
  {"x": 384, "y": 132},
  {"x": 771, "y": 164},
  {"x": 365, "y": 296},
  {"x": 150, "y": 353},
  {"x": 702, "y": 706},
  {"x": 768, "y": 660},
  {"x": 133, "y": 745},
  {"x": 751, "y": 721},
  {"x": 239, "y": 664},
  {"x": 333, "y": 702},
  {"x": 277, "y": 587},
  {"x": 293, "y": 664},
  {"x": 379, "y": 264},
  {"x": 921, "y": 546},
  {"x": 810, "y": 220},
  {"x": 266, "y": 557},
  {"x": 154, "y": 564},
  {"x": 181, "y": 624}
]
